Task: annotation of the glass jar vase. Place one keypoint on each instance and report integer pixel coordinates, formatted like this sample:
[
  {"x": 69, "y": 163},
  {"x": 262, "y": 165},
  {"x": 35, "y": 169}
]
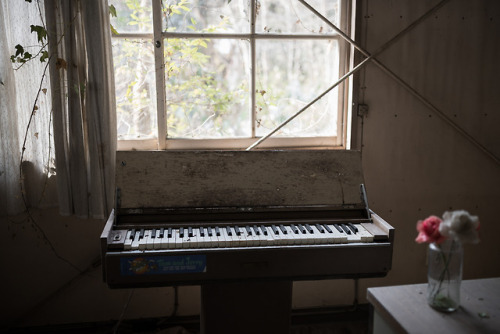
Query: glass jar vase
[{"x": 445, "y": 275}]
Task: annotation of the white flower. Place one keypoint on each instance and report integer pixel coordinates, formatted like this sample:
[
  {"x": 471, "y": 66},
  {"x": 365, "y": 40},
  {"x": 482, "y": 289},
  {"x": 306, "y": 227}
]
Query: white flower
[{"x": 461, "y": 226}]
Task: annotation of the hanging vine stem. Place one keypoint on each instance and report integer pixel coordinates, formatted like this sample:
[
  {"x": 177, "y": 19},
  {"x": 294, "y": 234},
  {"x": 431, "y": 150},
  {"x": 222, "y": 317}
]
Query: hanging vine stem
[{"x": 26, "y": 57}]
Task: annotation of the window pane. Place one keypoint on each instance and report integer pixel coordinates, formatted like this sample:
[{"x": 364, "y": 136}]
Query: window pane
[
  {"x": 132, "y": 16},
  {"x": 220, "y": 16},
  {"x": 135, "y": 89},
  {"x": 207, "y": 88},
  {"x": 285, "y": 16},
  {"x": 290, "y": 74}
]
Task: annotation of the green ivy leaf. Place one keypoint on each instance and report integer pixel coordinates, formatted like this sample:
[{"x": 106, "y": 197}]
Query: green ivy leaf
[
  {"x": 19, "y": 50},
  {"x": 112, "y": 10},
  {"x": 44, "y": 57},
  {"x": 113, "y": 30},
  {"x": 40, "y": 32}
]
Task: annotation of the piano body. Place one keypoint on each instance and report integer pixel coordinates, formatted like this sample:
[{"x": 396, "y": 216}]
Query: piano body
[{"x": 243, "y": 225}]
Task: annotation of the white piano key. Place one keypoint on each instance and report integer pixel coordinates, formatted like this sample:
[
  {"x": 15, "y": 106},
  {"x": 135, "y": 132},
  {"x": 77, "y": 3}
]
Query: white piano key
[
  {"x": 352, "y": 238},
  {"x": 250, "y": 238},
  {"x": 340, "y": 238},
  {"x": 292, "y": 236},
  {"x": 128, "y": 241},
  {"x": 265, "y": 238},
  {"x": 288, "y": 236},
  {"x": 144, "y": 240},
  {"x": 364, "y": 234},
  {"x": 301, "y": 238},
  {"x": 240, "y": 238},
  {"x": 164, "y": 240},
  {"x": 187, "y": 240},
  {"x": 256, "y": 238},
  {"x": 135, "y": 241},
  {"x": 221, "y": 238},
  {"x": 309, "y": 238},
  {"x": 329, "y": 236},
  {"x": 319, "y": 237},
  {"x": 214, "y": 241},
  {"x": 157, "y": 241},
  {"x": 228, "y": 239},
  {"x": 202, "y": 237},
  {"x": 150, "y": 241},
  {"x": 178, "y": 239},
  {"x": 279, "y": 236}
]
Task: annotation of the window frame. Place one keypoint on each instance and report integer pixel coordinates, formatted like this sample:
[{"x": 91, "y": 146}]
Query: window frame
[{"x": 163, "y": 143}]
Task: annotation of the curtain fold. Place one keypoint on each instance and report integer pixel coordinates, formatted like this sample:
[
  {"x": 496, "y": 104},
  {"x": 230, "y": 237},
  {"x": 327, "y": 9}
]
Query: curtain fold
[
  {"x": 101, "y": 107},
  {"x": 83, "y": 105}
]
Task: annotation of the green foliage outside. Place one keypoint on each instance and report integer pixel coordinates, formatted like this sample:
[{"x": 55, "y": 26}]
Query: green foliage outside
[{"x": 197, "y": 98}]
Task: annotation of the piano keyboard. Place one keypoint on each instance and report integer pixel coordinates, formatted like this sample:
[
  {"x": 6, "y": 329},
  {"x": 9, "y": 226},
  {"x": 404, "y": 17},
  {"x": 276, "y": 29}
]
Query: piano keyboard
[{"x": 243, "y": 236}]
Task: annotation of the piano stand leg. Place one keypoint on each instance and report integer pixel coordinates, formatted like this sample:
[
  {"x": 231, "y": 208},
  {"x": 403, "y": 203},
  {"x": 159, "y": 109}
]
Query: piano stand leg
[{"x": 247, "y": 307}]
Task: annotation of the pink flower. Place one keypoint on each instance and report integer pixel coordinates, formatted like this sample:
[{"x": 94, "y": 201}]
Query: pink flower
[{"x": 428, "y": 230}]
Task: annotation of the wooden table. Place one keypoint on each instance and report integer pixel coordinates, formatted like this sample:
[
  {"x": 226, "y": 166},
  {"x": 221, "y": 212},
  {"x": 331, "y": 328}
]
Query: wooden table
[{"x": 404, "y": 309}]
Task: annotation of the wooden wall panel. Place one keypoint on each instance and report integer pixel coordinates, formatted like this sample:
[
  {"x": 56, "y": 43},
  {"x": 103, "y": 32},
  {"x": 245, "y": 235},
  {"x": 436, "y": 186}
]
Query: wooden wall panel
[{"x": 415, "y": 164}]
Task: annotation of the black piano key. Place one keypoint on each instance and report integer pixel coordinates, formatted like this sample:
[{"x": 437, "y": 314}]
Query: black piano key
[
  {"x": 141, "y": 234},
  {"x": 153, "y": 233},
  {"x": 256, "y": 230},
  {"x": 327, "y": 228},
  {"x": 249, "y": 230},
  {"x": 309, "y": 229},
  {"x": 169, "y": 232},
  {"x": 209, "y": 231},
  {"x": 294, "y": 229},
  {"x": 202, "y": 232},
  {"x": 353, "y": 228},
  {"x": 302, "y": 229},
  {"x": 132, "y": 234},
  {"x": 217, "y": 231},
  {"x": 229, "y": 232},
  {"x": 190, "y": 232},
  {"x": 345, "y": 228},
  {"x": 237, "y": 230},
  {"x": 162, "y": 232},
  {"x": 283, "y": 229},
  {"x": 320, "y": 228},
  {"x": 181, "y": 232},
  {"x": 275, "y": 229},
  {"x": 337, "y": 226},
  {"x": 264, "y": 229}
]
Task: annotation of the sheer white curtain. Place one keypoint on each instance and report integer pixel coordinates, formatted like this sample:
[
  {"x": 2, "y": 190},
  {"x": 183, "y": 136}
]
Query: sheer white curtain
[
  {"x": 18, "y": 91},
  {"x": 79, "y": 103}
]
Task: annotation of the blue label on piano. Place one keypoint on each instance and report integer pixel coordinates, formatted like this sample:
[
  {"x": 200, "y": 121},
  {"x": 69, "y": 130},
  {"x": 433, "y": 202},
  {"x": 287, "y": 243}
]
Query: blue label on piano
[{"x": 161, "y": 265}]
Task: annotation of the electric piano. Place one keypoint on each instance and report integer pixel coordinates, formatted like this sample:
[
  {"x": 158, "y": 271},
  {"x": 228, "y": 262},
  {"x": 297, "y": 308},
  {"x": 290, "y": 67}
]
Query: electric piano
[{"x": 242, "y": 223}]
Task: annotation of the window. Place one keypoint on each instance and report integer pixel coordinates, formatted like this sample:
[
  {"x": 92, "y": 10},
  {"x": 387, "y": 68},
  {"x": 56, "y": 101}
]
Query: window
[{"x": 223, "y": 73}]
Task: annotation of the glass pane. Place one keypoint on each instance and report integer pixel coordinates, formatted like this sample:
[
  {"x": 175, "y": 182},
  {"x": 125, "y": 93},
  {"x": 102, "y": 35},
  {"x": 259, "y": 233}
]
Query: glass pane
[
  {"x": 221, "y": 16},
  {"x": 285, "y": 16},
  {"x": 132, "y": 16},
  {"x": 207, "y": 88},
  {"x": 290, "y": 74},
  {"x": 135, "y": 89}
]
